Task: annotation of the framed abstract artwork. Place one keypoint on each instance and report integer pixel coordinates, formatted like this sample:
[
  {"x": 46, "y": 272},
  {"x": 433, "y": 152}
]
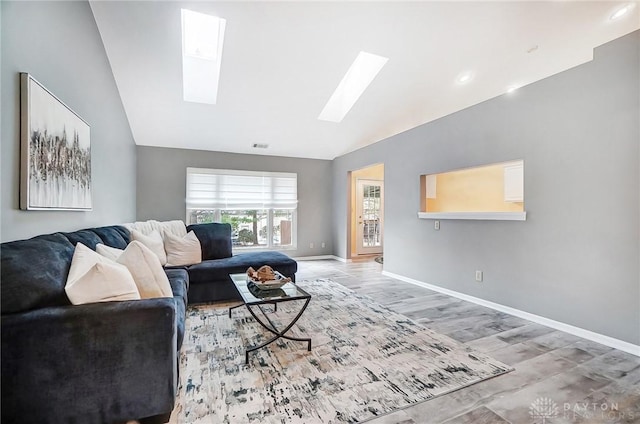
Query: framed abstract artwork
[{"x": 55, "y": 152}]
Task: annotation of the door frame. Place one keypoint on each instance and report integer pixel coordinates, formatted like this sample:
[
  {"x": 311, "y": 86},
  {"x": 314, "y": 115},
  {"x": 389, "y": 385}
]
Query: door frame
[
  {"x": 376, "y": 250},
  {"x": 350, "y": 209}
]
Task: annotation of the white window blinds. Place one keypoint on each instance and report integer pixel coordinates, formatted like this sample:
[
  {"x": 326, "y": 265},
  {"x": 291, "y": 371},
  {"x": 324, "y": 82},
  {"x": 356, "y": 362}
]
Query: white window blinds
[{"x": 231, "y": 189}]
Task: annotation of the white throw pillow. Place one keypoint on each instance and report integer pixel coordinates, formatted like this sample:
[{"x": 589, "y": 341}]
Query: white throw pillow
[
  {"x": 94, "y": 278},
  {"x": 175, "y": 228},
  {"x": 108, "y": 251},
  {"x": 145, "y": 227},
  {"x": 153, "y": 241},
  {"x": 146, "y": 270},
  {"x": 182, "y": 250}
]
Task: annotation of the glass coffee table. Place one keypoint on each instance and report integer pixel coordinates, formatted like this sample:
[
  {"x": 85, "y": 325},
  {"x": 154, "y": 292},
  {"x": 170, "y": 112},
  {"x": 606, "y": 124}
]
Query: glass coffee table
[{"x": 255, "y": 299}]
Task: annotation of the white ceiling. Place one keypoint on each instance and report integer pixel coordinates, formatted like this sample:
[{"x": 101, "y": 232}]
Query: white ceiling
[{"x": 282, "y": 61}]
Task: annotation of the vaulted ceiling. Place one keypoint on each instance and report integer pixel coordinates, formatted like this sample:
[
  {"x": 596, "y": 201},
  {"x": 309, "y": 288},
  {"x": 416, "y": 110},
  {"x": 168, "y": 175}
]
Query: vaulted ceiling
[{"x": 283, "y": 60}]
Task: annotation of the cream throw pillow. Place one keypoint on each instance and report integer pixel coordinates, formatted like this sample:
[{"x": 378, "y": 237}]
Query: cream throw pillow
[
  {"x": 175, "y": 228},
  {"x": 108, "y": 251},
  {"x": 94, "y": 278},
  {"x": 182, "y": 250},
  {"x": 154, "y": 242},
  {"x": 146, "y": 270}
]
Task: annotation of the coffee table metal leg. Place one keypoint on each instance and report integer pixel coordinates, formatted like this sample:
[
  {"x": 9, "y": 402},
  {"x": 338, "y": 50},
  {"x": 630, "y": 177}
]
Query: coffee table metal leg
[
  {"x": 234, "y": 307},
  {"x": 277, "y": 333}
]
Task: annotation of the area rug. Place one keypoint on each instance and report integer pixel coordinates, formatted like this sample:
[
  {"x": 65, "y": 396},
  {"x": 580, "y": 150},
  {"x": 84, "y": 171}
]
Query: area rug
[{"x": 366, "y": 361}]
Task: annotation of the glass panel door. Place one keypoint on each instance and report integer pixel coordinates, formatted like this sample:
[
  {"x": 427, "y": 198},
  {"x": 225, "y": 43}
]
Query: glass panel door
[{"x": 369, "y": 214}]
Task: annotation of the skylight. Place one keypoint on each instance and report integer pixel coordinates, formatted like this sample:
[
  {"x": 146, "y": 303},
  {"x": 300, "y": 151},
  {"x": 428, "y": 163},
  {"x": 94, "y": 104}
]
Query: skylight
[
  {"x": 202, "y": 41},
  {"x": 361, "y": 73},
  {"x": 621, "y": 12}
]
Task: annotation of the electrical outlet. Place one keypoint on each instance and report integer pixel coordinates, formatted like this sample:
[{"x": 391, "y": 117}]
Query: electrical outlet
[
  {"x": 436, "y": 225},
  {"x": 323, "y": 245},
  {"x": 311, "y": 245},
  {"x": 478, "y": 276}
]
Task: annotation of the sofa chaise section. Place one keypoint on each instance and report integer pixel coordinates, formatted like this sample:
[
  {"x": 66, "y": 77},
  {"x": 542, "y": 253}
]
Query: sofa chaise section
[{"x": 209, "y": 280}]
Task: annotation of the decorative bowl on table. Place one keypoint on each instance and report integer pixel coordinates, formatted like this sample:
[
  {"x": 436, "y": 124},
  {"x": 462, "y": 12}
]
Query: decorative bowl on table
[
  {"x": 264, "y": 293},
  {"x": 265, "y": 278}
]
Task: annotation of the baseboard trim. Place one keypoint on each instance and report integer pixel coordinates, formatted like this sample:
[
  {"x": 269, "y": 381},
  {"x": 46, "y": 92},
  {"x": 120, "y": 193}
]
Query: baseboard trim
[
  {"x": 567, "y": 328},
  {"x": 320, "y": 258},
  {"x": 339, "y": 259}
]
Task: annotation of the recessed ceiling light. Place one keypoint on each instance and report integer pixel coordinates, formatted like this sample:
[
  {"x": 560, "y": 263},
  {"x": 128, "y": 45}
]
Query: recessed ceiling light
[
  {"x": 464, "y": 77},
  {"x": 620, "y": 12},
  {"x": 361, "y": 73}
]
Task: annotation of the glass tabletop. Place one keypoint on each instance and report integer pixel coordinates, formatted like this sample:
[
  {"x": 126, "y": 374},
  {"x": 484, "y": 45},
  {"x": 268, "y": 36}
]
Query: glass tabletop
[{"x": 253, "y": 295}]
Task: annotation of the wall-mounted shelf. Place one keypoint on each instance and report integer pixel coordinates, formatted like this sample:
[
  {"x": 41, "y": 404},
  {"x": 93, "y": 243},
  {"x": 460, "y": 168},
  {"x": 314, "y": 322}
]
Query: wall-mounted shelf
[{"x": 493, "y": 216}]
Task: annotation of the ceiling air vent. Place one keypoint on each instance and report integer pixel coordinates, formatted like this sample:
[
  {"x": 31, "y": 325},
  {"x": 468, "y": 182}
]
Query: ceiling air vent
[{"x": 260, "y": 145}]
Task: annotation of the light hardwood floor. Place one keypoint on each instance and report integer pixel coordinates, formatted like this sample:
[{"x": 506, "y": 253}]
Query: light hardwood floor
[{"x": 579, "y": 376}]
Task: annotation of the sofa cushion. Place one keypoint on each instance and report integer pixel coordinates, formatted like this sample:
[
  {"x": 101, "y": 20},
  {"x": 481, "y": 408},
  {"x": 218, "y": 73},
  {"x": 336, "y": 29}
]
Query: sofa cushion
[
  {"x": 213, "y": 270},
  {"x": 215, "y": 239},
  {"x": 175, "y": 227},
  {"x": 113, "y": 236},
  {"x": 154, "y": 242},
  {"x": 34, "y": 272},
  {"x": 146, "y": 270},
  {"x": 182, "y": 250},
  {"x": 94, "y": 278},
  {"x": 112, "y": 253},
  {"x": 179, "y": 280},
  {"x": 86, "y": 237}
]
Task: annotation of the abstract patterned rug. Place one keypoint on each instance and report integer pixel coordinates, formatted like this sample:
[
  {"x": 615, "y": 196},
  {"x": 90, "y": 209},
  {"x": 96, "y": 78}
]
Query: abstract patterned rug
[{"x": 366, "y": 361}]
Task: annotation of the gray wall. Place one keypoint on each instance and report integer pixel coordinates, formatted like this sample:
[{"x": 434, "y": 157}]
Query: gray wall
[
  {"x": 162, "y": 174},
  {"x": 59, "y": 44},
  {"x": 576, "y": 257}
]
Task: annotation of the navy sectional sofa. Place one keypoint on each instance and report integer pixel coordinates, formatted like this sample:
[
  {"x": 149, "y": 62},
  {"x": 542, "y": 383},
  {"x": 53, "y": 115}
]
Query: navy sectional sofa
[{"x": 106, "y": 362}]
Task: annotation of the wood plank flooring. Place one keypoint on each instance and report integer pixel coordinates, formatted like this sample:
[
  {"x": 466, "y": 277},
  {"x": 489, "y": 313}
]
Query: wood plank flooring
[{"x": 580, "y": 377}]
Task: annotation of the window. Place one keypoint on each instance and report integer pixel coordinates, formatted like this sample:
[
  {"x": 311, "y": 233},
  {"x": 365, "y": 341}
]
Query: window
[{"x": 260, "y": 206}]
